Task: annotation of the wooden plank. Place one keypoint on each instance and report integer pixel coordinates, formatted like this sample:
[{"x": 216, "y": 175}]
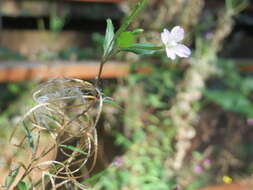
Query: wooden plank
[
  {"x": 13, "y": 71},
  {"x": 247, "y": 68},
  {"x": 245, "y": 65},
  {"x": 240, "y": 185},
  {"x": 17, "y": 71},
  {"x": 75, "y": 8},
  {"x": 98, "y": 1}
]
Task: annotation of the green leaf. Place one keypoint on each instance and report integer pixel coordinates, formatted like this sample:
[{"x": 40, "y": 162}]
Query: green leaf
[
  {"x": 11, "y": 177},
  {"x": 142, "y": 48},
  {"x": 29, "y": 137},
  {"x": 109, "y": 35},
  {"x": 231, "y": 101},
  {"x": 126, "y": 39},
  {"x": 73, "y": 149},
  {"x": 113, "y": 103},
  {"x": 137, "y": 31},
  {"x": 22, "y": 186}
]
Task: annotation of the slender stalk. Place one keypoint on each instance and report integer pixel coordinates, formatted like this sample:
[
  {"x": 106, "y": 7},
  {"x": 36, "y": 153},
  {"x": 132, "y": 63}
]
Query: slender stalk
[
  {"x": 100, "y": 71},
  {"x": 128, "y": 20},
  {"x": 103, "y": 61}
]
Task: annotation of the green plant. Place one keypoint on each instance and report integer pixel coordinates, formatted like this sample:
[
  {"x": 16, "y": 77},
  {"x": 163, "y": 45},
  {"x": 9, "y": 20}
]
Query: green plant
[
  {"x": 57, "y": 19},
  {"x": 159, "y": 108},
  {"x": 67, "y": 110},
  {"x": 233, "y": 91}
]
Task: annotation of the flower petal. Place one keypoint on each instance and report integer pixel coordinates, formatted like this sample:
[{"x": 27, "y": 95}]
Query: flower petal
[
  {"x": 181, "y": 50},
  {"x": 177, "y": 33},
  {"x": 170, "y": 53},
  {"x": 165, "y": 36}
]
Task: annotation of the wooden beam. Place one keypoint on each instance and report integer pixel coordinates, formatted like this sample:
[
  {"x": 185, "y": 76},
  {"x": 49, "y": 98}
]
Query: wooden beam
[
  {"x": 240, "y": 185},
  {"x": 76, "y": 8},
  {"x": 247, "y": 68},
  {"x": 98, "y": 1},
  {"x": 11, "y": 71}
]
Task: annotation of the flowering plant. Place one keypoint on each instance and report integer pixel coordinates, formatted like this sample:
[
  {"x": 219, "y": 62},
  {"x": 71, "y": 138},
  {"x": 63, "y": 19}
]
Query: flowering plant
[{"x": 69, "y": 109}]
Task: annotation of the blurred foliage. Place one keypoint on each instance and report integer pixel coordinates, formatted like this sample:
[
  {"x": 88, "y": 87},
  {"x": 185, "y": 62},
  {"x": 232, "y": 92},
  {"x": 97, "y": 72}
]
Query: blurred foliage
[
  {"x": 15, "y": 99},
  {"x": 146, "y": 135},
  {"x": 6, "y": 54},
  {"x": 161, "y": 85},
  {"x": 57, "y": 19},
  {"x": 75, "y": 53},
  {"x": 231, "y": 89},
  {"x": 11, "y": 92}
]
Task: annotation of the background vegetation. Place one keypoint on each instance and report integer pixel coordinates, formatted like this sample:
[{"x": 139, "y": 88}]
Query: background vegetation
[{"x": 185, "y": 123}]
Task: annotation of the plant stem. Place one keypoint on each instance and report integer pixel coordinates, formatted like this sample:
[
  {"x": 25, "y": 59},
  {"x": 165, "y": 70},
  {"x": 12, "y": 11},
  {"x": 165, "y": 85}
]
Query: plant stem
[
  {"x": 100, "y": 71},
  {"x": 130, "y": 18},
  {"x": 103, "y": 61}
]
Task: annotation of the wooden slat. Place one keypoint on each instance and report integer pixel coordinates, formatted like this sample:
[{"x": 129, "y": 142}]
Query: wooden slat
[
  {"x": 241, "y": 185},
  {"x": 41, "y": 8},
  {"x": 18, "y": 71},
  {"x": 23, "y": 70},
  {"x": 245, "y": 65},
  {"x": 247, "y": 68},
  {"x": 98, "y": 1}
]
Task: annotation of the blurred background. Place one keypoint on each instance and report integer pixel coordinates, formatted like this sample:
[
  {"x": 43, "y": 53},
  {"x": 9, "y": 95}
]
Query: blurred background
[{"x": 186, "y": 124}]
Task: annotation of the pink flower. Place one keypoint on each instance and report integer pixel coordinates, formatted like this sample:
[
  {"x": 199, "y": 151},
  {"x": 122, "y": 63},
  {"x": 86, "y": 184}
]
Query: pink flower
[
  {"x": 171, "y": 41},
  {"x": 198, "y": 169},
  {"x": 118, "y": 161},
  {"x": 207, "y": 161}
]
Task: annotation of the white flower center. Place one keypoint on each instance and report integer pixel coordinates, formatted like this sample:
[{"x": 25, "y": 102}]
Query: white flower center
[{"x": 171, "y": 44}]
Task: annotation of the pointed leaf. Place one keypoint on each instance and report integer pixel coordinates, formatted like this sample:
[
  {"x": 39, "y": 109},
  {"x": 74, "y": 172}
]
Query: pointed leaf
[
  {"x": 142, "y": 48},
  {"x": 75, "y": 149},
  {"x": 22, "y": 186},
  {"x": 137, "y": 31},
  {"x": 29, "y": 136},
  {"x": 109, "y": 35},
  {"x": 113, "y": 103},
  {"x": 11, "y": 177}
]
